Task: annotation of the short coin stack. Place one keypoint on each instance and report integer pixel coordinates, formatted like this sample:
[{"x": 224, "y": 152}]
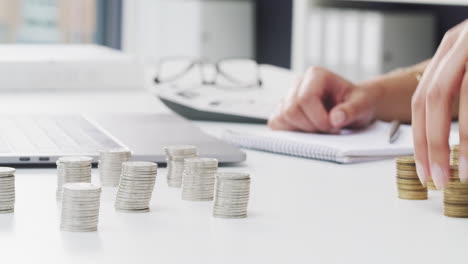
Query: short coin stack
[
  {"x": 199, "y": 179},
  {"x": 409, "y": 186},
  {"x": 456, "y": 196},
  {"x": 175, "y": 162},
  {"x": 72, "y": 169},
  {"x": 7, "y": 190},
  {"x": 136, "y": 186},
  {"x": 110, "y": 165},
  {"x": 231, "y": 195},
  {"x": 454, "y": 154},
  {"x": 80, "y": 207}
]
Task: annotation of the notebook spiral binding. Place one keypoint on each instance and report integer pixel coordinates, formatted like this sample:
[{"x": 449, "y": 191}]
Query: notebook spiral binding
[{"x": 275, "y": 145}]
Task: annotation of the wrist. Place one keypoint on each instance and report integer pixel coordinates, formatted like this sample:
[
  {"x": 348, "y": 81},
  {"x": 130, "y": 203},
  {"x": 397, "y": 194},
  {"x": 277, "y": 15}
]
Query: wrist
[
  {"x": 392, "y": 93},
  {"x": 374, "y": 88},
  {"x": 375, "y": 91}
]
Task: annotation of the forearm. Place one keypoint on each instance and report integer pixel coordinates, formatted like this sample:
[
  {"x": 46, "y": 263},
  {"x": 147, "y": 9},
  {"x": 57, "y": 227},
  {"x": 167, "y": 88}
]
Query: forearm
[{"x": 394, "y": 91}]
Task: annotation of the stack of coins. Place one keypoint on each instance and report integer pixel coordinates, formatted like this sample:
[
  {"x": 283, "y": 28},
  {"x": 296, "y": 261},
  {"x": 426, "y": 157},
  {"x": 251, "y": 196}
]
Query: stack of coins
[
  {"x": 110, "y": 165},
  {"x": 409, "y": 186},
  {"x": 80, "y": 207},
  {"x": 72, "y": 169},
  {"x": 199, "y": 179},
  {"x": 7, "y": 190},
  {"x": 456, "y": 196},
  {"x": 175, "y": 162},
  {"x": 431, "y": 185},
  {"x": 231, "y": 195},
  {"x": 454, "y": 155},
  {"x": 136, "y": 186}
]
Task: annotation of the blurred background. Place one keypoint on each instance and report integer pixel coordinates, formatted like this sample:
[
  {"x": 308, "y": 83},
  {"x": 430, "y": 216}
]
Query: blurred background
[{"x": 358, "y": 39}]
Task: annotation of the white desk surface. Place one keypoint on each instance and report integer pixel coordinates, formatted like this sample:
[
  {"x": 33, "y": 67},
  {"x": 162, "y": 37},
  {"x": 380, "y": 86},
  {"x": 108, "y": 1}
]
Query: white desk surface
[{"x": 300, "y": 211}]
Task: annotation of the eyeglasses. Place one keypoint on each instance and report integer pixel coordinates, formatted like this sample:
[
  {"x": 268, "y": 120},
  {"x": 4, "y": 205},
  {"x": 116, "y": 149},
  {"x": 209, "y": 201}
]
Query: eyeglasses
[{"x": 235, "y": 73}]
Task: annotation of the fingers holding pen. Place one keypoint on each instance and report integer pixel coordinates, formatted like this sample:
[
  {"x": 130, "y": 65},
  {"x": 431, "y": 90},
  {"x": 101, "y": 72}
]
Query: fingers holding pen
[{"x": 324, "y": 102}]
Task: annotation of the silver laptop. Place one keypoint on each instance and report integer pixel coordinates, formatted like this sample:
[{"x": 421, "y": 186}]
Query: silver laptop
[{"x": 41, "y": 139}]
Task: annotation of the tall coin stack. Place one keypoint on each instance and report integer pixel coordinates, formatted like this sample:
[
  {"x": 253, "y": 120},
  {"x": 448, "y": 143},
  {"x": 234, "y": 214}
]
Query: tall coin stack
[
  {"x": 80, "y": 207},
  {"x": 456, "y": 196},
  {"x": 231, "y": 195},
  {"x": 454, "y": 155},
  {"x": 110, "y": 165},
  {"x": 175, "y": 162},
  {"x": 409, "y": 186},
  {"x": 136, "y": 186},
  {"x": 7, "y": 190},
  {"x": 199, "y": 179},
  {"x": 72, "y": 169}
]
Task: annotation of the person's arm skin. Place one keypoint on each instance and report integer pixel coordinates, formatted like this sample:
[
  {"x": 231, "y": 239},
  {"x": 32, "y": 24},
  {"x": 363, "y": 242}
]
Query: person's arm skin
[
  {"x": 397, "y": 90},
  {"x": 444, "y": 80}
]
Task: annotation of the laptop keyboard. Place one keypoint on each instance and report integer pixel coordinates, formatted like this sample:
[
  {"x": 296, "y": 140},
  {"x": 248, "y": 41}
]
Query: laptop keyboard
[{"x": 71, "y": 134}]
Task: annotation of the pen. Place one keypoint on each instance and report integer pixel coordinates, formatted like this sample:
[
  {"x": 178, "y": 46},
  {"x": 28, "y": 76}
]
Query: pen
[{"x": 394, "y": 131}]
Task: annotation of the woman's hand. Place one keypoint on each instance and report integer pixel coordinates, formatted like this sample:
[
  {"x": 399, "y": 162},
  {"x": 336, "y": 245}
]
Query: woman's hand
[
  {"x": 324, "y": 102},
  {"x": 444, "y": 79}
]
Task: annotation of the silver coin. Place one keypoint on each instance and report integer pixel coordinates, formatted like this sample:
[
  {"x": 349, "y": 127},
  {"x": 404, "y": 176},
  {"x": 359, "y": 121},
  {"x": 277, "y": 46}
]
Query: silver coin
[
  {"x": 231, "y": 206},
  {"x": 75, "y": 229},
  {"x": 230, "y": 216},
  {"x": 80, "y": 216},
  {"x": 79, "y": 228},
  {"x": 227, "y": 192},
  {"x": 126, "y": 178},
  {"x": 135, "y": 190},
  {"x": 144, "y": 210},
  {"x": 79, "y": 219},
  {"x": 120, "y": 207},
  {"x": 136, "y": 196},
  {"x": 7, "y": 171},
  {"x": 229, "y": 212},
  {"x": 81, "y": 204},
  {"x": 120, "y": 203},
  {"x": 140, "y": 164},
  {"x": 75, "y": 159},
  {"x": 81, "y": 187},
  {"x": 197, "y": 199},
  {"x": 7, "y": 211},
  {"x": 80, "y": 225},
  {"x": 141, "y": 187},
  {"x": 80, "y": 208}
]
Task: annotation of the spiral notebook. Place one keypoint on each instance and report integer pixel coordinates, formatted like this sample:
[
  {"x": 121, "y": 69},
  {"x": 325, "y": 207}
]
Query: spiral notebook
[{"x": 349, "y": 146}]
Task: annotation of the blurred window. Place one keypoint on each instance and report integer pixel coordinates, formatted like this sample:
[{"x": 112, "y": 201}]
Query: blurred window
[{"x": 50, "y": 21}]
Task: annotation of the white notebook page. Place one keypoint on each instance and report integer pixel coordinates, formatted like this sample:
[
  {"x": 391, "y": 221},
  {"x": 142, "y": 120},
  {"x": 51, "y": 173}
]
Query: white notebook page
[{"x": 370, "y": 143}]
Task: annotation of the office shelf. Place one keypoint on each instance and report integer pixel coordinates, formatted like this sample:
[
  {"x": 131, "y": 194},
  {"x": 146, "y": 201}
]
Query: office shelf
[
  {"x": 302, "y": 7},
  {"x": 430, "y": 2}
]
